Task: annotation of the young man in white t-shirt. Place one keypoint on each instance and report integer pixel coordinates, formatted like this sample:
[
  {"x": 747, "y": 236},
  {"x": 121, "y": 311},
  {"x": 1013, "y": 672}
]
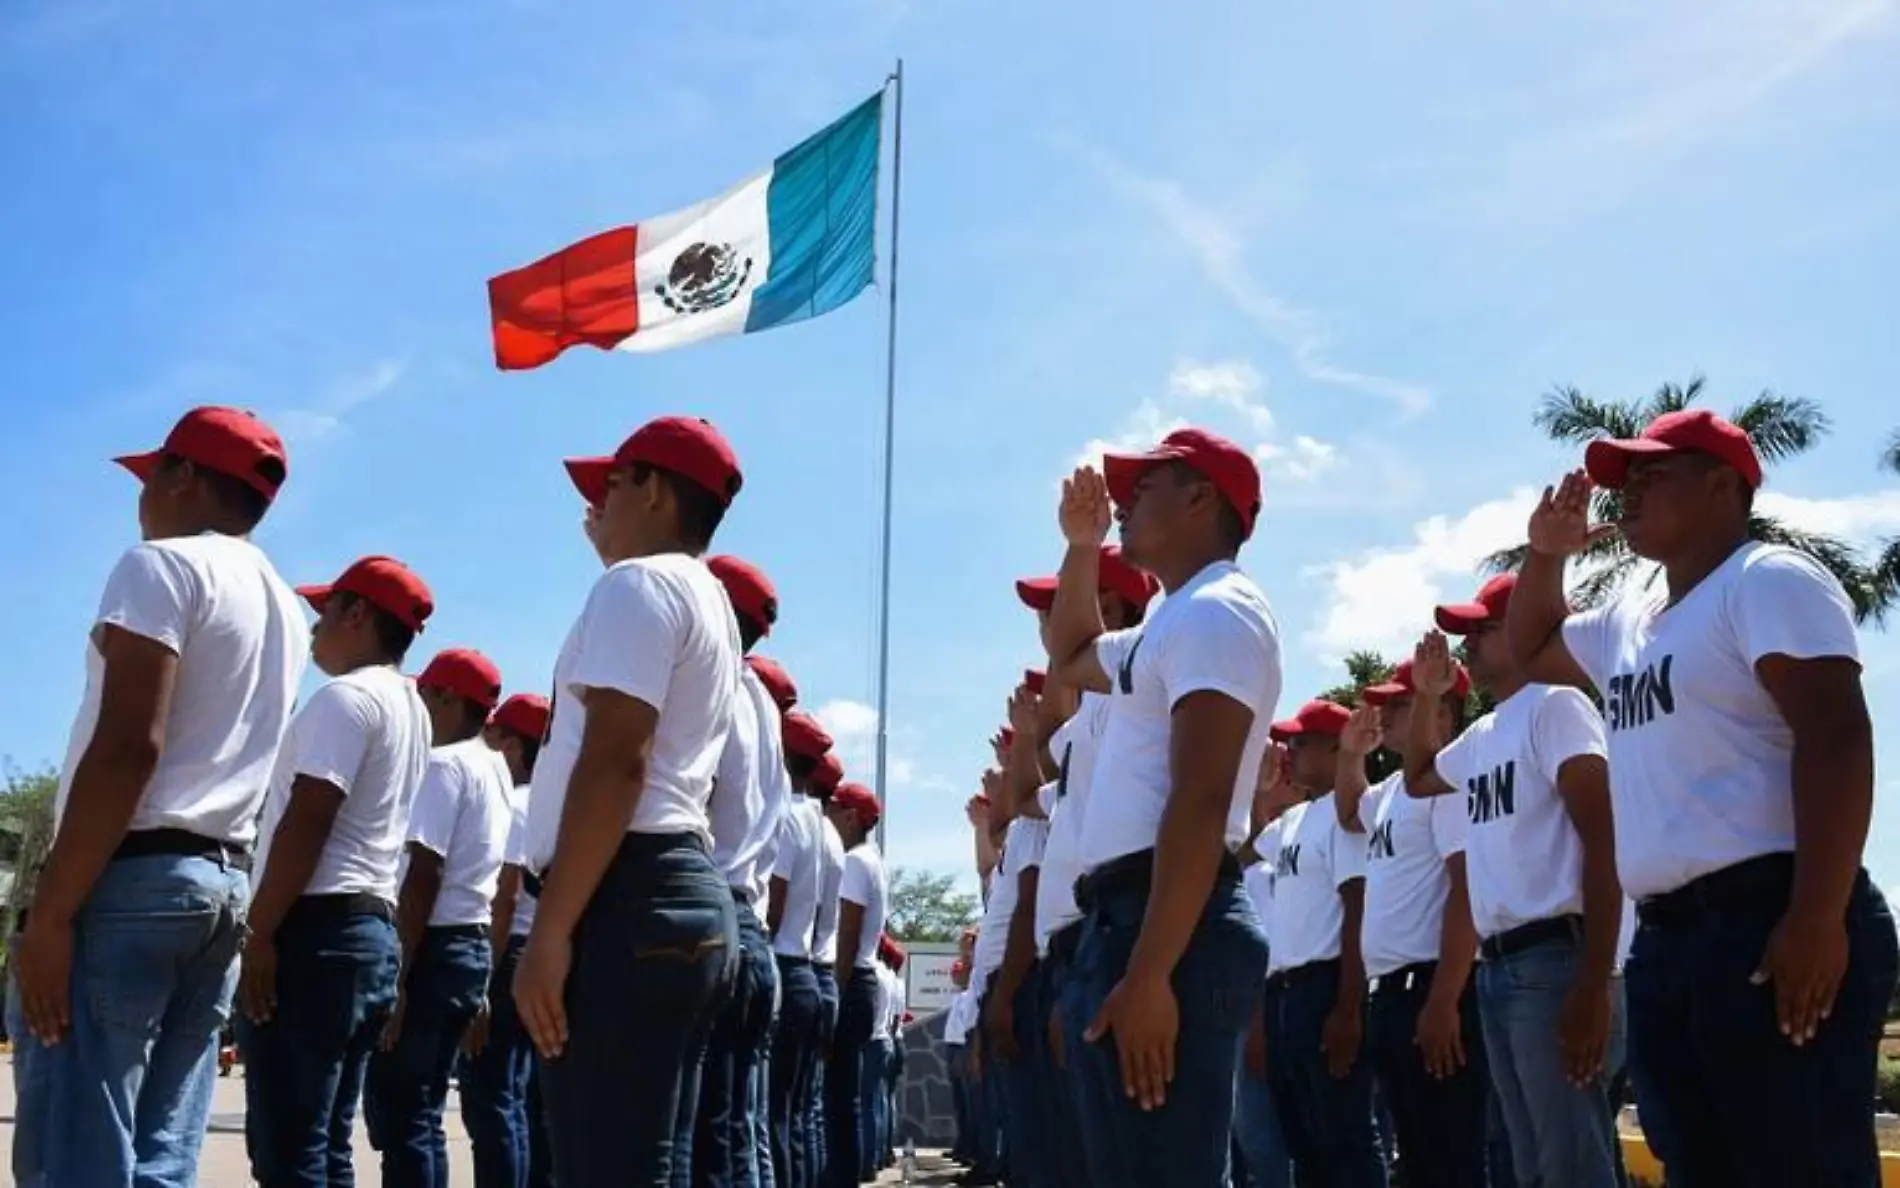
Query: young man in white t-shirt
[
  {"x": 635, "y": 935},
  {"x": 1259, "y": 1140},
  {"x": 1422, "y": 1029},
  {"x": 1172, "y": 949},
  {"x": 1741, "y": 756},
  {"x": 892, "y": 954},
  {"x": 1541, "y": 862},
  {"x": 192, "y": 663},
  {"x": 863, "y": 902},
  {"x": 321, "y": 956},
  {"x": 751, "y": 795},
  {"x": 458, "y": 836},
  {"x": 1316, "y": 981},
  {"x": 793, "y": 915},
  {"x": 498, "y": 1084}
]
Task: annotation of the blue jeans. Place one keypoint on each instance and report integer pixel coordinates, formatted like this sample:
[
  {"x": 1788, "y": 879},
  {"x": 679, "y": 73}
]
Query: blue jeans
[
  {"x": 1028, "y": 1114},
  {"x": 725, "y": 1149},
  {"x": 653, "y": 955},
  {"x": 1327, "y": 1121},
  {"x": 794, "y": 1058},
  {"x": 1439, "y": 1125},
  {"x": 846, "y": 1127},
  {"x": 1066, "y": 1137},
  {"x": 875, "y": 1106},
  {"x": 124, "y": 1097},
  {"x": 1261, "y": 1146},
  {"x": 816, "y": 1131},
  {"x": 1735, "y": 1103},
  {"x": 1184, "y": 1143},
  {"x": 303, "y": 1070},
  {"x": 406, "y": 1087},
  {"x": 494, "y": 1087},
  {"x": 1560, "y": 1134}
]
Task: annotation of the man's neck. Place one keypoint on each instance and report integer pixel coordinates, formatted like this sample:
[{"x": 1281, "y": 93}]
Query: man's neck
[
  {"x": 1698, "y": 561},
  {"x": 1175, "y": 572},
  {"x": 1503, "y": 690}
]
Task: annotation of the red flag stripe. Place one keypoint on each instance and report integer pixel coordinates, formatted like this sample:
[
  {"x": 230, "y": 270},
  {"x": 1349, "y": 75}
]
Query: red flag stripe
[{"x": 585, "y": 293}]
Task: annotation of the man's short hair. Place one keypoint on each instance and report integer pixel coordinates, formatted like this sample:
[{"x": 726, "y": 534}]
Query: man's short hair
[
  {"x": 243, "y": 503},
  {"x": 1227, "y": 525},
  {"x": 750, "y": 632},
  {"x": 801, "y": 766},
  {"x": 530, "y": 747},
  {"x": 700, "y": 510},
  {"x": 392, "y": 635}
]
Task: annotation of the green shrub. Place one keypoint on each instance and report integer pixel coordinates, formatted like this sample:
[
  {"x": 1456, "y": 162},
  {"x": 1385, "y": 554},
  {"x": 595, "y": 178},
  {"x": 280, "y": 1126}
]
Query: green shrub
[{"x": 1887, "y": 1087}]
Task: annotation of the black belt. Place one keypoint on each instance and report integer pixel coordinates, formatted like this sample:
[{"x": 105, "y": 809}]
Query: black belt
[
  {"x": 531, "y": 883},
  {"x": 150, "y": 843},
  {"x": 1301, "y": 974},
  {"x": 1134, "y": 874},
  {"x": 1755, "y": 878},
  {"x": 633, "y": 845},
  {"x": 1529, "y": 936},
  {"x": 343, "y": 905},
  {"x": 477, "y": 931},
  {"x": 741, "y": 897},
  {"x": 1404, "y": 978}
]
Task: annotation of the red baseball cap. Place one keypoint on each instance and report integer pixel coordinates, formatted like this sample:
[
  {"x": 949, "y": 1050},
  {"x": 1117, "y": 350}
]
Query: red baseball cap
[
  {"x": 1221, "y": 462},
  {"x": 804, "y": 737},
  {"x": 1315, "y": 717},
  {"x": 1008, "y": 734},
  {"x": 1494, "y": 598},
  {"x": 751, "y": 591},
  {"x": 227, "y": 440},
  {"x": 827, "y": 775},
  {"x": 1689, "y": 430},
  {"x": 1035, "y": 678},
  {"x": 688, "y": 446},
  {"x": 525, "y": 713},
  {"x": 464, "y": 672},
  {"x": 383, "y": 582},
  {"x": 1401, "y": 684},
  {"x": 860, "y": 801},
  {"x": 776, "y": 680},
  {"x": 1115, "y": 576}
]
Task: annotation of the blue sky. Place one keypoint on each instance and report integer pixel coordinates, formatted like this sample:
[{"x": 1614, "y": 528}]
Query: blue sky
[{"x": 1362, "y": 237}]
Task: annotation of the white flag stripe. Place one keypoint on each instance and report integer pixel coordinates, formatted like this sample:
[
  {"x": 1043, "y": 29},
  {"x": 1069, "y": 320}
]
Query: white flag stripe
[{"x": 737, "y": 222}]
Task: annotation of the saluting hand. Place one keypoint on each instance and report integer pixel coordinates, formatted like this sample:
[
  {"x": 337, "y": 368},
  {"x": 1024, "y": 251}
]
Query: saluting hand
[
  {"x": 1560, "y": 524},
  {"x": 1085, "y": 514},
  {"x": 1022, "y": 712},
  {"x": 1363, "y": 733},
  {"x": 1432, "y": 670}
]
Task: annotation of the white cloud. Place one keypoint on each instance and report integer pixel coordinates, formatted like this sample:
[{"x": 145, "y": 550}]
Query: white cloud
[
  {"x": 328, "y": 412},
  {"x": 1383, "y": 598},
  {"x": 1234, "y": 383},
  {"x": 1220, "y": 254},
  {"x": 853, "y": 729},
  {"x": 1856, "y": 518},
  {"x": 1307, "y": 458}
]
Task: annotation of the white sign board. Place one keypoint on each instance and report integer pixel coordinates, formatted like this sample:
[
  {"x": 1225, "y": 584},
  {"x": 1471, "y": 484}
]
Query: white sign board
[{"x": 928, "y": 975}]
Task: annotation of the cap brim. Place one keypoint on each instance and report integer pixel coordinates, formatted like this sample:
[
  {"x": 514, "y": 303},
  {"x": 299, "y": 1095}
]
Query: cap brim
[
  {"x": 1380, "y": 694},
  {"x": 1282, "y": 731},
  {"x": 1122, "y": 471},
  {"x": 142, "y": 466},
  {"x": 590, "y": 477},
  {"x": 316, "y": 596},
  {"x": 1037, "y": 593},
  {"x": 1607, "y": 460},
  {"x": 1461, "y": 618}
]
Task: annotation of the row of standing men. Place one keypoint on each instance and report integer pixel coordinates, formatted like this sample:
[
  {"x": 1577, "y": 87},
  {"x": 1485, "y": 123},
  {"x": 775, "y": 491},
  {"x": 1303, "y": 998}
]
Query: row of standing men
[
  {"x": 619, "y": 909},
  {"x": 1216, "y": 948}
]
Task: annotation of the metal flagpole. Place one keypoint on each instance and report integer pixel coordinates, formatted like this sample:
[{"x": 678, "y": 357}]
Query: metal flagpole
[{"x": 896, "y": 81}]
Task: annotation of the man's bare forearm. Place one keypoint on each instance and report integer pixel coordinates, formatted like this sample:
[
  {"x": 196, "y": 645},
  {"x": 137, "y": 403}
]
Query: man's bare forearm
[
  {"x": 1352, "y": 958},
  {"x": 1457, "y": 940},
  {"x": 1188, "y": 852},
  {"x": 105, "y": 792},
  {"x": 1833, "y": 806},
  {"x": 1019, "y": 953},
  {"x": 594, "y": 820},
  {"x": 415, "y": 902},
  {"x": 1538, "y": 607},
  {"x": 1075, "y": 620}
]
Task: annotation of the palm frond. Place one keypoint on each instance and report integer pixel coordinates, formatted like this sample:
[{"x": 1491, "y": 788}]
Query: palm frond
[
  {"x": 1890, "y": 457},
  {"x": 1566, "y": 414},
  {"x": 1505, "y": 560},
  {"x": 1599, "y": 584},
  {"x": 1667, "y": 399},
  {"x": 1884, "y": 583},
  {"x": 1833, "y": 554},
  {"x": 1782, "y": 426}
]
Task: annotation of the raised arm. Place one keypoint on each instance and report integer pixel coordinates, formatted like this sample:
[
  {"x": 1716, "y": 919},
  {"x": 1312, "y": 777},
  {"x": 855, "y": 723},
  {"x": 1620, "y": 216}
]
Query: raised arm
[
  {"x": 1433, "y": 677},
  {"x": 1559, "y": 528},
  {"x": 1359, "y": 739},
  {"x": 1075, "y": 621}
]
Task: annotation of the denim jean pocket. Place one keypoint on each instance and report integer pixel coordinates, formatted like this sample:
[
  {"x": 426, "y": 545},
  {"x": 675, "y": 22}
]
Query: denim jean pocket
[
  {"x": 681, "y": 935},
  {"x": 128, "y": 963},
  {"x": 1222, "y": 976}
]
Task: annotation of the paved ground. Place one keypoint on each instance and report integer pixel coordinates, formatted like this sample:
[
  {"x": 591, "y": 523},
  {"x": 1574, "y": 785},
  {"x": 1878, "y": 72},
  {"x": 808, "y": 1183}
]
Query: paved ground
[{"x": 225, "y": 1166}]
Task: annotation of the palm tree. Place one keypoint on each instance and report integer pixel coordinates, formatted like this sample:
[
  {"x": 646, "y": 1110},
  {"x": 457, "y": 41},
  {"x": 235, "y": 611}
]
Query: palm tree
[
  {"x": 1362, "y": 669},
  {"x": 1885, "y": 577},
  {"x": 1781, "y": 428}
]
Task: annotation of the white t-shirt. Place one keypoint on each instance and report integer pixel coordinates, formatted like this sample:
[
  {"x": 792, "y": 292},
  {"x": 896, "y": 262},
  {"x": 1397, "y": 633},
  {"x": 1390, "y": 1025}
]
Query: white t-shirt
[
  {"x": 368, "y": 734},
  {"x": 241, "y": 641},
  {"x": 1074, "y": 747},
  {"x": 1523, "y": 859},
  {"x": 900, "y": 1001},
  {"x": 1315, "y": 858},
  {"x": 750, "y": 792},
  {"x": 824, "y": 937},
  {"x": 960, "y": 1020},
  {"x": 661, "y": 630},
  {"x": 796, "y": 860},
  {"x": 462, "y": 812},
  {"x": 516, "y": 854},
  {"x": 1702, "y": 759},
  {"x": 1216, "y": 633},
  {"x": 1257, "y": 880},
  {"x": 992, "y": 935},
  {"x": 863, "y": 883},
  {"x": 881, "y": 1003},
  {"x": 1407, "y": 843}
]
